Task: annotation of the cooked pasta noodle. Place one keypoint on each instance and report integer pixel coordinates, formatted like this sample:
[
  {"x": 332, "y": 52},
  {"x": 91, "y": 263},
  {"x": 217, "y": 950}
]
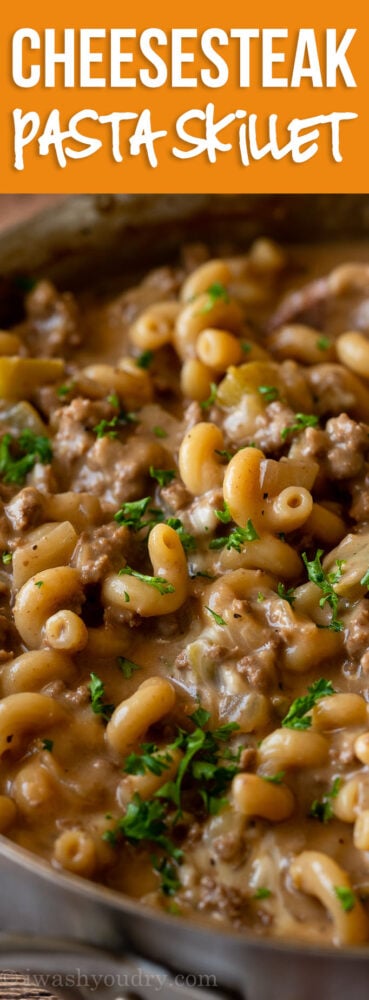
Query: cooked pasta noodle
[{"x": 184, "y": 580}]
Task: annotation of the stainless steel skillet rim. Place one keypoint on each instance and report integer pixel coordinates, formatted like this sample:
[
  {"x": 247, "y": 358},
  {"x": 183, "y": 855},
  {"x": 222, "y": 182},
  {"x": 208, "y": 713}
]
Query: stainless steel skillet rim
[{"x": 120, "y": 902}]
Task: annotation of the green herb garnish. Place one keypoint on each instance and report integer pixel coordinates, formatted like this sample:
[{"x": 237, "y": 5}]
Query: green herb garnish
[
  {"x": 297, "y": 717},
  {"x": 224, "y": 453},
  {"x": 127, "y": 666},
  {"x": 155, "y": 762},
  {"x": 346, "y": 897},
  {"x": 236, "y": 538},
  {"x": 286, "y": 593},
  {"x": 64, "y": 390},
  {"x": 262, "y": 893},
  {"x": 188, "y": 540},
  {"x": 323, "y": 343},
  {"x": 144, "y": 360},
  {"x": 160, "y": 432},
  {"x": 19, "y": 455},
  {"x": 110, "y": 428},
  {"x": 162, "y": 476},
  {"x": 224, "y": 515},
  {"x": 325, "y": 582},
  {"x": 275, "y": 779},
  {"x": 269, "y": 392},
  {"x": 159, "y": 582},
  {"x": 216, "y": 293},
  {"x": 207, "y": 403},
  {"x": 302, "y": 420},
  {"x": 6, "y": 558},
  {"x": 97, "y": 694},
  {"x": 365, "y": 579},
  {"x": 131, "y": 514},
  {"x": 322, "y": 809},
  {"x": 39, "y": 583},
  {"x": 217, "y": 618},
  {"x": 47, "y": 745},
  {"x": 169, "y": 881}
]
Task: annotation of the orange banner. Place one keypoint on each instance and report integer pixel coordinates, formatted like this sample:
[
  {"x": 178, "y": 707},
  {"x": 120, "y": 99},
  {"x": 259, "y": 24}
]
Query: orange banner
[{"x": 184, "y": 98}]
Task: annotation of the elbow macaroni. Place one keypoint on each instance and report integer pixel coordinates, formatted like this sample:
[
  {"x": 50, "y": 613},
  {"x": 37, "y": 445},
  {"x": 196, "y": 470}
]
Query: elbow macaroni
[{"x": 184, "y": 580}]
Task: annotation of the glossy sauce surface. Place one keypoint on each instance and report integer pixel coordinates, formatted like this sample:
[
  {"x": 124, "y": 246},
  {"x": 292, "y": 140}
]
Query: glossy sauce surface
[{"x": 116, "y": 441}]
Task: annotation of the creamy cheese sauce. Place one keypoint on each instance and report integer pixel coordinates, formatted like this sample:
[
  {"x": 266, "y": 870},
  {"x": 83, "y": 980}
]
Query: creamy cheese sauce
[{"x": 115, "y": 415}]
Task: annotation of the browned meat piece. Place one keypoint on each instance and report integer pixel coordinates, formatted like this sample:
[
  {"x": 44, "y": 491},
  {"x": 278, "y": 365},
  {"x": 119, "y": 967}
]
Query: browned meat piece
[
  {"x": 269, "y": 427},
  {"x": 348, "y": 442},
  {"x": 228, "y": 846},
  {"x": 337, "y": 302},
  {"x": 357, "y": 631},
  {"x": 175, "y": 496},
  {"x": 259, "y": 668},
  {"x": 118, "y": 472},
  {"x": 297, "y": 304},
  {"x": 52, "y": 324},
  {"x": 161, "y": 284},
  {"x": 227, "y": 902},
  {"x": 74, "y": 428},
  {"x": 359, "y": 509},
  {"x": 312, "y": 443},
  {"x": 99, "y": 551},
  {"x": 26, "y": 510},
  {"x": 336, "y": 390}
]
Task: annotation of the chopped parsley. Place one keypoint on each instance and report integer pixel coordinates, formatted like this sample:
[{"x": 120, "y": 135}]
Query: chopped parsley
[
  {"x": 6, "y": 558},
  {"x": 224, "y": 453},
  {"x": 325, "y": 582},
  {"x": 127, "y": 666},
  {"x": 159, "y": 582},
  {"x": 149, "y": 760},
  {"x": 19, "y": 455},
  {"x": 144, "y": 360},
  {"x": 364, "y": 579},
  {"x": 322, "y": 809},
  {"x": 144, "y": 821},
  {"x": 200, "y": 717},
  {"x": 64, "y": 390},
  {"x": 188, "y": 540},
  {"x": 224, "y": 515},
  {"x": 245, "y": 347},
  {"x": 323, "y": 343},
  {"x": 97, "y": 694},
  {"x": 169, "y": 881},
  {"x": 113, "y": 399},
  {"x": 302, "y": 420},
  {"x": 39, "y": 583},
  {"x": 346, "y": 897},
  {"x": 47, "y": 745},
  {"x": 275, "y": 779},
  {"x": 162, "y": 476},
  {"x": 215, "y": 293},
  {"x": 207, "y": 403},
  {"x": 236, "y": 538},
  {"x": 217, "y": 618},
  {"x": 262, "y": 893},
  {"x": 205, "y": 771},
  {"x": 269, "y": 393},
  {"x": 160, "y": 432},
  {"x": 131, "y": 514},
  {"x": 286, "y": 593},
  {"x": 297, "y": 716},
  {"x": 110, "y": 428}
]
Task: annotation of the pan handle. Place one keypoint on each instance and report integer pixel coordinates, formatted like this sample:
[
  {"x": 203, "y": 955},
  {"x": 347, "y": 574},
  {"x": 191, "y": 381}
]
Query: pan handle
[{"x": 80, "y": 973}]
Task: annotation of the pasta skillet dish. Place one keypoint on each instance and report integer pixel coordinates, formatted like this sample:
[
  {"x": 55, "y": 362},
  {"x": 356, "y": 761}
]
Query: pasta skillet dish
[{"x": 184, "y": 479}]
